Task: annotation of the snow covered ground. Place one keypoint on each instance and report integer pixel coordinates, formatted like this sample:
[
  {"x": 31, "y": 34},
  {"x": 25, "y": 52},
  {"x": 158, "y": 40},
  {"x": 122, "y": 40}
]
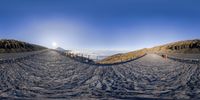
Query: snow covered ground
[{"x": 53, "y": 76}]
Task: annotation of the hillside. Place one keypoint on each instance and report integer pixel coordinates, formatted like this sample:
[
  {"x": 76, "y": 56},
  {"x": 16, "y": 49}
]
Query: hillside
[
  {"x": 122, "y": 57},
  {"x": 188, "y": 46},
  {"x": 11, "y": 46}
]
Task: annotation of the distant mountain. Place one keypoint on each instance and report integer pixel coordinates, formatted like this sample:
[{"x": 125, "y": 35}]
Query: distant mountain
[
  {"x": 188, "y": 46},
  {"x": 60, "y": 49},
  {"x": 11, "y": 46}
]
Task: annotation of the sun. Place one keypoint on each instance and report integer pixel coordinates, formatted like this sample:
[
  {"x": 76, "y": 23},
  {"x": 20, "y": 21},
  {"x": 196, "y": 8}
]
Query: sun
[{"x": 54, "y": 44}]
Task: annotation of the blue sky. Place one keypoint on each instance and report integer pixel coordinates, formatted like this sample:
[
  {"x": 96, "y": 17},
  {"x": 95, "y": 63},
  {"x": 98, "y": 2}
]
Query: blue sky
[{"x": 100, "y": 24}]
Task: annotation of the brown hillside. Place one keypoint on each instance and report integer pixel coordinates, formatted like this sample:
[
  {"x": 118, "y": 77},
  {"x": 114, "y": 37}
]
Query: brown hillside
[
  {"x": 11, "y": 46},
  {"x": 188, "y": 46},
  {"x": 123, "y": 57}
]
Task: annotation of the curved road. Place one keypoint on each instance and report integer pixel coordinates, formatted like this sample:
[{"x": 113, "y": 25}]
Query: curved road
[{"x": 53, "y": 76}]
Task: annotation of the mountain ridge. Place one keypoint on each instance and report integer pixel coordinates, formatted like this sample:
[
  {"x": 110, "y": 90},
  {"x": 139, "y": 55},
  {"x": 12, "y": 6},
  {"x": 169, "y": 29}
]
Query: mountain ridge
[{"x": 60, "y": 49}]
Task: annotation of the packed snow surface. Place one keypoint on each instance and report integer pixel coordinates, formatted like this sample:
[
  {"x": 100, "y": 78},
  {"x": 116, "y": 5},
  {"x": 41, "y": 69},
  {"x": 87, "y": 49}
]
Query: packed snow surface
[{"x": 54, "y": 76}]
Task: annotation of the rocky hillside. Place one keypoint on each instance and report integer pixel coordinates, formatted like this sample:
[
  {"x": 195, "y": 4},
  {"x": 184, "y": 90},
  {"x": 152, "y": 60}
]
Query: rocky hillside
[
  {"x": 11, "y": 46},
  {"x": 188, "y": 46}
]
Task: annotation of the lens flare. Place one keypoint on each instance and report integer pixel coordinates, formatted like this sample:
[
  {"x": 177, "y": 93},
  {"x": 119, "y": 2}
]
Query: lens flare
[{"x": 54, "y": 44}]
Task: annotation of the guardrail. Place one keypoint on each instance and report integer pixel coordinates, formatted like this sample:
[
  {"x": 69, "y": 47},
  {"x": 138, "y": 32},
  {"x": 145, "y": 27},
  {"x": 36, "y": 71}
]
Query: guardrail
[
  {"x": 184, "y": 60},
  {"x": 194, "y": 61},
  {"x": 77, "y": 57}
]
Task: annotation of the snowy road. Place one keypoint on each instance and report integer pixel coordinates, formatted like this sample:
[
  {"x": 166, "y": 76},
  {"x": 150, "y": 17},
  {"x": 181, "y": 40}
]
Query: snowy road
[{"x": 54, "y": 76}]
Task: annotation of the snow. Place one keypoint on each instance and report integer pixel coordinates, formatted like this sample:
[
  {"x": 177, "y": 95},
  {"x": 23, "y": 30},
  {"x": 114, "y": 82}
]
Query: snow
[{"x": 48, "y": 74}]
